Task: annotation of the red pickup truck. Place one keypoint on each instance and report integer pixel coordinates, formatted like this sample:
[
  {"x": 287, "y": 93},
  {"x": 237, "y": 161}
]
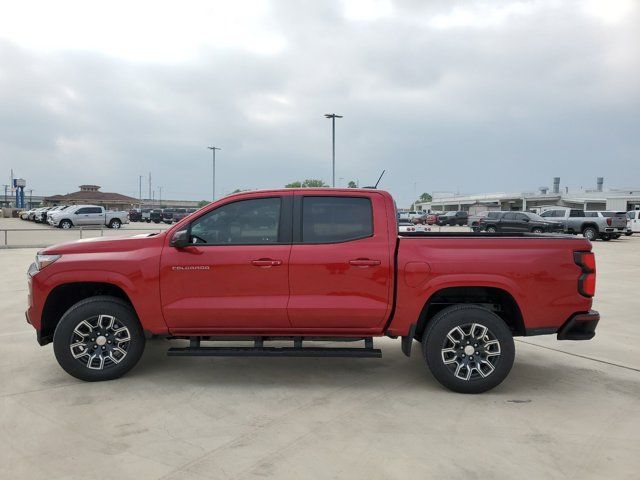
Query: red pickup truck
[{"x": 304, "y": 266}]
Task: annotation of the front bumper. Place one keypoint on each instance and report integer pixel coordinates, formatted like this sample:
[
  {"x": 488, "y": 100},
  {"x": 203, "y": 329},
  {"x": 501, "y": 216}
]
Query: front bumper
[{"x": 581, "y": 326}]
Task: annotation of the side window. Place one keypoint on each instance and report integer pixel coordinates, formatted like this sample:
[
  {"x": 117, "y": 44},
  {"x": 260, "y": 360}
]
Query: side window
[
  {"x": 336, "y": 219},
  {"x": 509, "y": 216},
  {"x": 94, "y": 210},
  {"x": 576, "y": 213},
  {"x": 245, "y": 222},
  {"x": 493, "y": 215},
  {"x": 521, "y": 217},
  {"x": 82, "y": 210},
  {"x": 547, "y": 214}
]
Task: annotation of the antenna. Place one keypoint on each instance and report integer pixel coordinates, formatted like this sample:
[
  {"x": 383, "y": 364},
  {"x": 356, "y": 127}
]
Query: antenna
[{"x": 379, "y": 178}]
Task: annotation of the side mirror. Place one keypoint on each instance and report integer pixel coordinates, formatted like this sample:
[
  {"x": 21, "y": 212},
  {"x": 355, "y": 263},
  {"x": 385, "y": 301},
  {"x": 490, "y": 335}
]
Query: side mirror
[{"x": 180, "y": 239}]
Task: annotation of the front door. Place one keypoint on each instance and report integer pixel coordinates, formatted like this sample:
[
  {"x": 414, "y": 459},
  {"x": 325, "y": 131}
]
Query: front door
[
  {"x": 234, "y": 275},
  {"x": 340, "y": 265}
]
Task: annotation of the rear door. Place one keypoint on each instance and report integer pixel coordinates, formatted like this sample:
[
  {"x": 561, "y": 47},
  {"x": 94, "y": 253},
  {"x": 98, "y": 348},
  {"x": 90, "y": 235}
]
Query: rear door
[
  {"x": 340, "y": 265},
  {"x": 508, "y": 223}
]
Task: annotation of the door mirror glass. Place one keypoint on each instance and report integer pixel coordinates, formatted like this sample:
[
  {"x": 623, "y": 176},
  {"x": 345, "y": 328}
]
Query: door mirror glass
[{"x": 180, "y": 239}]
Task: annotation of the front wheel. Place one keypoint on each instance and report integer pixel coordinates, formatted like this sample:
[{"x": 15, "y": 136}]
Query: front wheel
[
  {"x": 66, "y": 224},
  {"x": 491, "y": 229},
  {"x": 468, "y": 349},
  {"x": 115, "y": 223},
  {"x": 537, "y": 230},
  {"x": 99, "y": 338}
]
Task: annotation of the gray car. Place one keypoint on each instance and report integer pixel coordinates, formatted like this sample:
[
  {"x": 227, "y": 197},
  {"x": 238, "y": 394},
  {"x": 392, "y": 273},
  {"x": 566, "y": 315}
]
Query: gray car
[{"x": 591, "y": 225}]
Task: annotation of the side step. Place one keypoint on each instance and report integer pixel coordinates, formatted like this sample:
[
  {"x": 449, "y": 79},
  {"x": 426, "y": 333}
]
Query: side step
[{"x": 259, "y": 350}]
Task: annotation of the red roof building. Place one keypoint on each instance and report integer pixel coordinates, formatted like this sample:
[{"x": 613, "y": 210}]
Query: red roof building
[{"x": 91, "y": 195}]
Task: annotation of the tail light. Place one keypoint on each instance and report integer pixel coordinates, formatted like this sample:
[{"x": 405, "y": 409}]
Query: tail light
[
  {"x": 587, "y": 281},
  {"x": 609, "y": 221}
]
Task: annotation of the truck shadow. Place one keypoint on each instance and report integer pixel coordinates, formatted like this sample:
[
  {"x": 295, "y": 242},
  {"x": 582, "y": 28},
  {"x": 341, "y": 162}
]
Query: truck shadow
[{"x": 531, "y": 372}]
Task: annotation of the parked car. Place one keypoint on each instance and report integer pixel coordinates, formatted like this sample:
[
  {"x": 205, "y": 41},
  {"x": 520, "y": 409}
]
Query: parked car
[
  {"x": 41, "y": 215},
  {"x": 179, "y": 214},
  {"x": 633, "y": 222},
  {"x": 246, "y": 266},
  {"x": 24, "y": 215},
  {"x": 83, "y": 215},
  {"x": 409, "y": 216},
  {"x": 404, "y": 227},
  {"x": 589, "y": 224},
  {"x": 51, "y": 211},
  {"x": 473, "y": 221},
  {"x": 155, "y": 215},
  {"x": 135, "y": 215},
  {"x": 509, "y": 222},
  {"x": 453, "y": 218},
  {"x": 616, "y": 220},
  {"x": 431, "y": 218}
]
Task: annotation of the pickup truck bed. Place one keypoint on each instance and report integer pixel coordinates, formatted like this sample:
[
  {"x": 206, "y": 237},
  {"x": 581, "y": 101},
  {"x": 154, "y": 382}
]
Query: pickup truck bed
[{"x": 308, "y": 265}]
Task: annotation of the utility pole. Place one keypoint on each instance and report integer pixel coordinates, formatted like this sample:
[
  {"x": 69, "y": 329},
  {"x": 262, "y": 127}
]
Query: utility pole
[
  {"x": 149, "y": 185},
  {"x": 333, "y": 117},
  {"x": 31, "y": 198},
  {"x": 160, "y": 197},
  {"x": 213, "y": 150},
  {"x": 140, "y": 191},
  {"x": 5, "y": 194}
]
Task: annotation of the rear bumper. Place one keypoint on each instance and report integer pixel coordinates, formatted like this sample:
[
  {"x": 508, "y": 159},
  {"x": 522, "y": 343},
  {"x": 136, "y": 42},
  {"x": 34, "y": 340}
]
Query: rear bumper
[{"x": 581, "y": 326}]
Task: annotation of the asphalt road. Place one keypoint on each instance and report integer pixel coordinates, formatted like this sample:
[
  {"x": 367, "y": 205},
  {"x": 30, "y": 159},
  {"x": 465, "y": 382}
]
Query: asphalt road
[{"x": 567, "y": 410}]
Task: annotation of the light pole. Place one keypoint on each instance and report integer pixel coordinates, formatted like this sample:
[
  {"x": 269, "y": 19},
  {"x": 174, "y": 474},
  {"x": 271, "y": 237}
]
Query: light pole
[
  {"x": 160, "y": 197},
  {"x": 213, "y": 151},
  {"x": 333, "y": 117},
  {"x": 140, "y": 190}
]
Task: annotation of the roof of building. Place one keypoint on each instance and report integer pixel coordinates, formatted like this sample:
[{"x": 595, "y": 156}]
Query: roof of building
[{"x": 92, "y": 193}]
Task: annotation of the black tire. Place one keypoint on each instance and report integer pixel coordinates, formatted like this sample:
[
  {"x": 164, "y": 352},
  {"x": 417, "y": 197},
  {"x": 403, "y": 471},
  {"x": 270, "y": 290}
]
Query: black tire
[
  {"x": 616, "y": 236},
  {"x": 112, "y": 364},
  {"x": 491, "y": 229},
  {"x": 628, "y": 234},
  {"x": 115, "y": 223},
  {"x": 66, "y": 224},
  {"x": 605, "y": 238},
  {"x": 474, "y": 319},
  {"x": 590, "y": 233},
  {"x": 537, "y": 230}
]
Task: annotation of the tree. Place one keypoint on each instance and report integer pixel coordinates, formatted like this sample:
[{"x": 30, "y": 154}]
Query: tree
[
  {"x": 425, "y": 197},
  {"x": 308, "y": 183},
  {"x": 202, "y": 203},
  {"x": 352, "y": 184}
]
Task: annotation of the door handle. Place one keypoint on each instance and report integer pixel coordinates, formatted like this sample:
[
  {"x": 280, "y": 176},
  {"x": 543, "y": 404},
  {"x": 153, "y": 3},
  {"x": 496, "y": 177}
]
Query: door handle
[
  {"x": 364, "y": 262},
  {"x": 266, "y": 262}
]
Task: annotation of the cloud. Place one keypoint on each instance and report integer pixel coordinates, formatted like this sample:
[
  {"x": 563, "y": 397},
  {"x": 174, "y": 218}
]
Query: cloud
[{"x": 453, "y": 96}]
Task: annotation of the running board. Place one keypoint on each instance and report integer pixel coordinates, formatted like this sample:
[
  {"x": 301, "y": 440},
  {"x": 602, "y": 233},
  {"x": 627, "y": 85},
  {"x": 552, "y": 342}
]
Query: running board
[{"x": 259, "y": 350}]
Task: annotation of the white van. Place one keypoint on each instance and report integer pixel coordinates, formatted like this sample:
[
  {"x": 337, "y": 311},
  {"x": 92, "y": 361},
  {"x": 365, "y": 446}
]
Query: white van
[{"x": 633, "y": 222}]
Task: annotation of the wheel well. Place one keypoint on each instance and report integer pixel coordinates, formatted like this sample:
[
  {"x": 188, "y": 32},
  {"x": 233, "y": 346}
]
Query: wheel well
[
  {"x": 585, "y": 225},
  {"x": 65, "y": 296},
  {"x": 497, "y": 300}
]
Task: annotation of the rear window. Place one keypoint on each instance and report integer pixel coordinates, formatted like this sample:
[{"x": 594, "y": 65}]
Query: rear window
[{"x": 336, "y": 219}]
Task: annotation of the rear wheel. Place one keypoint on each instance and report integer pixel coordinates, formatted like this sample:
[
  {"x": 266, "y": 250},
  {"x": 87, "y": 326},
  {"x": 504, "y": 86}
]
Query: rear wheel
[
  {"x": 605, "y": 238},
  {"x": 628, "y": 233},
  {"x": 468, "y": 349},
  {"x": 115, "y": 223},
  {"x": 590, "y": 233},
  {"x": 537, "y": 230},
  {"x": 99, "y": 338},
  {"x": 616, "y": 236}
]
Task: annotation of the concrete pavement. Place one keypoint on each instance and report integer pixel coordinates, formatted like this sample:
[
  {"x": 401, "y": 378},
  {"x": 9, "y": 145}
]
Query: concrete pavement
[{"x": 558, "y": 415}]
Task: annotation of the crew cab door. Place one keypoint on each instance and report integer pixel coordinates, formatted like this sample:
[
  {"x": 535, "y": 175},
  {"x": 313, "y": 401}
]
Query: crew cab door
[
  {"x": 340, "y": 264},
  {"x": 234, "y": 274}
]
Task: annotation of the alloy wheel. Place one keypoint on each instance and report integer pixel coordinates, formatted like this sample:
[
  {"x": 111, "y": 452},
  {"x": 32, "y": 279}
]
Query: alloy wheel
[
  {"x": 100, "y": 342},
  {"x": 471, "y": 351}
]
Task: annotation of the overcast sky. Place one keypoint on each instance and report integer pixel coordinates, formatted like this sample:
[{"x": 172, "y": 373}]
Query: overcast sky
[{"x": 446, "y": 96}]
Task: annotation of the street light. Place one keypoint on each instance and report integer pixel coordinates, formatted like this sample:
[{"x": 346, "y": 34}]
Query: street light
[
  {"x": 213, "y": 150},
  {"x": 333, "y": 117}
]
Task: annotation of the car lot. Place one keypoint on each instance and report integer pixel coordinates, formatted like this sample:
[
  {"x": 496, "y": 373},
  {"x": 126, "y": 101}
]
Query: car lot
[{"x": 568, "y": 409}]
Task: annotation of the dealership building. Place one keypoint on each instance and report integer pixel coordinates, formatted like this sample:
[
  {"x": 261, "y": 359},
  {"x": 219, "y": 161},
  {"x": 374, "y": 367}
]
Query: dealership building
[{"x": 589, "y": 199}]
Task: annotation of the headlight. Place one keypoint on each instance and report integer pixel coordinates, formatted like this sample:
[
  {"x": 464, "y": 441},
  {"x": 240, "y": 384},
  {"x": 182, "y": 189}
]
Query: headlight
[{"x": 42, "y": 261}]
